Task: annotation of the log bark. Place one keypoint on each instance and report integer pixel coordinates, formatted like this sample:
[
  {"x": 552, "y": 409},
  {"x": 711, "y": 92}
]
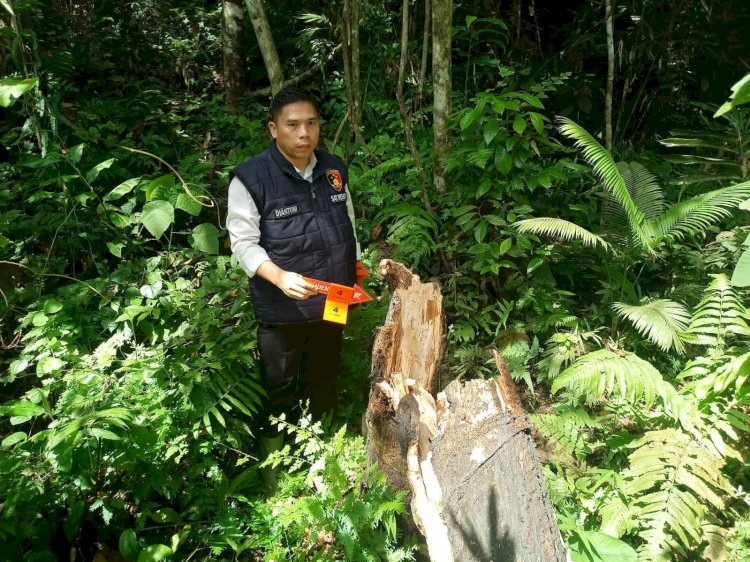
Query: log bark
[
  {"x": 609, "y": 93},
  {"x": 467, "y": 456}
]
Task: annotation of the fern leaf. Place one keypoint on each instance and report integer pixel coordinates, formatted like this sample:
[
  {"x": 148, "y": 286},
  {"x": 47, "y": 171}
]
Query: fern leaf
[
  {"x": 624, "y": 375},
  {"x": 561, "y": 229},
  {"x": 644, "y": 189},
  {"x": 698, "y": 213},
  {"x": 561, "y": 349},
  {"x": 660, "y": 321},
  {"x": 718, "y": 316},
  {"x": 672, "y": 480},
  {"x": 566, "y": 430},
  {"x": 607, "y": 171}
]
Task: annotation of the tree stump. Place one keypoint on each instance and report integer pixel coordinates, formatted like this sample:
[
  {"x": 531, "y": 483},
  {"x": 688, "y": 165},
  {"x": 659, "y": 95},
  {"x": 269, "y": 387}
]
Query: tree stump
[{"x": 467, "y": 457}]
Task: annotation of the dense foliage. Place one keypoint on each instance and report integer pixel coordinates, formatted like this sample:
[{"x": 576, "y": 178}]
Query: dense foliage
[{"x": 613, "y": 281}]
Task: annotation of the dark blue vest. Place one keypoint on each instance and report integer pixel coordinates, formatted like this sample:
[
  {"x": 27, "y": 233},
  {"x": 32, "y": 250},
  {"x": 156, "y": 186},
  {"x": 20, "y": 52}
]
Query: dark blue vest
[{"x": 304, "y": 228}]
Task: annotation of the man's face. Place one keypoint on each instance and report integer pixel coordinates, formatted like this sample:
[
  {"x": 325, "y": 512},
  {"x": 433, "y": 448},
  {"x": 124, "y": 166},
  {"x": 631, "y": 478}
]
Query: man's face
[{"x": 296, "y": 131}]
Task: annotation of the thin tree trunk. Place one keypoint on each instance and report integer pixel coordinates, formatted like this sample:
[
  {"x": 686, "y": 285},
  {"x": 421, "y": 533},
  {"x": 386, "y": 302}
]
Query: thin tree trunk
[
  {"x": 267, "y": 46},
  {"x": 346, "y": 39},
  {"x": 355, "y": 69},
  {"x": 441, "y": 78},
  {"x": 425, "y": 51},
  {"x": 608, "y": 20},
  {"x": 232, "y": 54},
  {"x": 402, "y": 104}
]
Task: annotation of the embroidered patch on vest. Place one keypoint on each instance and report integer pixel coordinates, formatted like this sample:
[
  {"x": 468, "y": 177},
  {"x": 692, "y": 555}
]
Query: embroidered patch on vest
[
  {"x": 334, "y": 178},
  {"x": 285, "y": 211},
  {"x": 338, "y": 197}
]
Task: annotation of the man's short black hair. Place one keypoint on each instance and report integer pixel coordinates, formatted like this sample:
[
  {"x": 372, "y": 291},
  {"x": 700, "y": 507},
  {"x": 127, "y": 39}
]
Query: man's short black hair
[{"x": 289, "y": 95}]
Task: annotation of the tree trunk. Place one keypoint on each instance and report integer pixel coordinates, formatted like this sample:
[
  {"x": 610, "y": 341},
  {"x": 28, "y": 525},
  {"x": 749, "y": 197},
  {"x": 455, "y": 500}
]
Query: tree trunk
[
  {"x": 425, "y": 51},
  {"x": 265, "y": 42},
  {"x": 608, "y": 21},
  {"x": 403, "y": 110},
  {"x": 441, "y": 87},
  {"x": 467, "y": 457},
  {"x": 356, "y": 87},
  {"x": 232, "y": 54}
]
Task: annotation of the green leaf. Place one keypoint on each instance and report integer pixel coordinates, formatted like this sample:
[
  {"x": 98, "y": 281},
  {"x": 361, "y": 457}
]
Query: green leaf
[
  {"x": 72, "y": 523},
  {"x": 52, "y": 306},
  {"x": 129, "y": 545},
  {"x": 186, "y": 203},
  {"x": 165, "y": 515},
  {"x": 741, "y": 274},
  {"x": 154, "y": 553},
  {"x": 562, "y": 229},
  {"x": 740, "y": 95},
  {"x": 18, "y": 366},
  {"x": 470, "y": 20},
  {"x": 5, "y": 4},
  {"x": 160, "y": 187},
  {"x": 39, "y": 319},
  {"x": 519, "y": 124},
  {"x": 3, "y": 241},
  {"x": 531, "y": 100},
  {"x": 611, "y": 549},
  {"x": 533, "y": 264},
  {"x": 490, "y": 130},
  {"x": 22, "y": 408},
  {"x": 205, "y": 238},
  {"x": 13, "y": 438},
  {"x": 115, "y": 248},
  {"x": 123, "y": 189},
  {"x": 157, "y": 216},
  {"x": 49, "y": 365},
  {"x": 75, "y": 153},
  {"x": 11, "y": 88},
  {"x": 538, "y": 121},
  {"x": 505, "y": 245},
  {"x": 94, "y": 172}
]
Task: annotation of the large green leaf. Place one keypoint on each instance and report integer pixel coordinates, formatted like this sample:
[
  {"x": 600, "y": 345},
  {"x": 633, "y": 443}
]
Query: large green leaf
[
  {"x": 123, "y": 189},
  {"x": 661, "y": 321},
  {"x": 157, "y": 216},
  {"x": 740, "y": 95},
  {"x": 205, "y": 238},
  {"x": 12, "y": 88},
  {"x": 20, "y": 408},
  {"x": 741, "y": 274},
  {"x": 129, "y": 545},
  {"x": 154, "y": 553}
]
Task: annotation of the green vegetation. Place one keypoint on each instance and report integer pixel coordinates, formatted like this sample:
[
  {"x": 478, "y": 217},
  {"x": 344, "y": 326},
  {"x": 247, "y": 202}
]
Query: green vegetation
[{"x": 614, "y": 281}]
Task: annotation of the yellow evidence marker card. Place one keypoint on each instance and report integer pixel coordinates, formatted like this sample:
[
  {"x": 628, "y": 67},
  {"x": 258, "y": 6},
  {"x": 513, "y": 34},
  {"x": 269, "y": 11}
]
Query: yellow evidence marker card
[{"x": 337, "y": 303}]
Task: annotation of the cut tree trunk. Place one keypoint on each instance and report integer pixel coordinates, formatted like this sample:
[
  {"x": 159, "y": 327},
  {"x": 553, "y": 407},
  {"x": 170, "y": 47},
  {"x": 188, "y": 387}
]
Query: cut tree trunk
[{"x": 467, "y": 456}]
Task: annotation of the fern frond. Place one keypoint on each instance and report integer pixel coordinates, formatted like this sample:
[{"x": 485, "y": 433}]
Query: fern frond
[
  {"x": 660, "y": 321},
  {"x": 560, "y": 229},
  {"x": 566, "y": 430},
  {"x": 697, "y": 214},
  {"x": 672, "y": 480},
  {"x": 719, "y": 315},
  {"x": 624, "y": 375},
  {"x": 607, "y": 171},
  {"x": 413, "y": 230},
  {"x": 644, "y": 189},
  {"x": 561, "y": 349}
]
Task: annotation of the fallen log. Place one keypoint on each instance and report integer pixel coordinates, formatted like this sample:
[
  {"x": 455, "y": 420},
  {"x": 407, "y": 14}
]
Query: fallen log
[{"x": 467, "y": 456}]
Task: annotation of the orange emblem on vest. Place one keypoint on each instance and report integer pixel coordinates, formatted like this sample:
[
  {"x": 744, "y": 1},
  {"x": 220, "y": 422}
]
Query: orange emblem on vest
[{"x": 334, "y": 178}]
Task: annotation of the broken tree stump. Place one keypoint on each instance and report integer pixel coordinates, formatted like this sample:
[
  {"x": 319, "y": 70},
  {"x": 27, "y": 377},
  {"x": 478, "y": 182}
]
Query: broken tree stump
[{"x": 467, "y": 457}]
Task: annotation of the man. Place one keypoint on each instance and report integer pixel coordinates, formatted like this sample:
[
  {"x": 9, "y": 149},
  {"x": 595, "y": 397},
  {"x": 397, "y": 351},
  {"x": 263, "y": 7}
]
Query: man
[{"x": 290, "y": 216}]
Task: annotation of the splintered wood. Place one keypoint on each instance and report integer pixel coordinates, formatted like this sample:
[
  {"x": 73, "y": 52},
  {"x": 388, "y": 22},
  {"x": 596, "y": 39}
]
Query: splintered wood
[{"x": 467, "y": 456}]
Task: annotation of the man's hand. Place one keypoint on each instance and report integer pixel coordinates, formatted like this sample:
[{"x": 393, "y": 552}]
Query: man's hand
[{"x": 293, "y": 285}]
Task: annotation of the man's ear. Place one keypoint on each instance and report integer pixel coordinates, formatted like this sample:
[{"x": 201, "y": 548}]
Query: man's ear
[{"x": 272, "y": 128}]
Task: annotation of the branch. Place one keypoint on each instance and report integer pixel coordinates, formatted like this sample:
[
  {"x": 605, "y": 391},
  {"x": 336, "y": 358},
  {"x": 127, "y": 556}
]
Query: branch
[{"x": 309, "y": 73}]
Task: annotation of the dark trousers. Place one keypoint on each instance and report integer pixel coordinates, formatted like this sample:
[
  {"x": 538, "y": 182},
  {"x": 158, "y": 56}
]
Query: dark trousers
[{"x": 299, "y": 362}]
